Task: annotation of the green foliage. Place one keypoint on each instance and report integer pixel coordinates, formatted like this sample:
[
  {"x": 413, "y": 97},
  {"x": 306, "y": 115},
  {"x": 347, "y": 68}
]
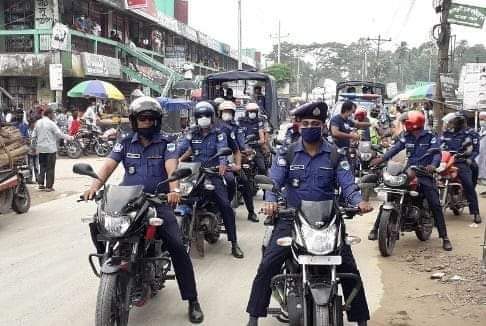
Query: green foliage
[{"x": 281, "y": 73}]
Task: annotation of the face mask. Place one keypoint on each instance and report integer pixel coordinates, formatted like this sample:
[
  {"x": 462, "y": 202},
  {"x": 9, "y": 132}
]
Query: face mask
[
  {"x": 204, "y": 122},
  {"x": 148, "y": 133},
  {"x": 226, "y": 116},
  {"x": 252, "y": 115},
  {"x": 312, "y": 134}
]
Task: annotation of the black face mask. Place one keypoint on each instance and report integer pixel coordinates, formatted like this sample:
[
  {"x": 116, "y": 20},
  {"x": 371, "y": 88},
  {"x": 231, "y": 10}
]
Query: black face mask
[{"x": 148, "y": 133}]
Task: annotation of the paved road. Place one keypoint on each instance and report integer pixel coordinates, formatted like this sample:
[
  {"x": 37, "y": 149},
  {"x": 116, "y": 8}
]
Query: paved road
[{"x": 45, "y": 278}]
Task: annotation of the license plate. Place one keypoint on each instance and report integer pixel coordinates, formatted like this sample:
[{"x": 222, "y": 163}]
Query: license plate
[{"x": 320, "y": 260}]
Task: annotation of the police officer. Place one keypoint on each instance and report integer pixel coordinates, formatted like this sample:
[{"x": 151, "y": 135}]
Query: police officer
[
  {"x": 454, "y": 138},
  {"x": 202, "y": 143},
  {"x": 309, "y": 176},
  {"x": 148, "y": 159},
  {"x": 252, "y": 125},
  {"x": 236, "y": 140},
  {"x": 292, "y": 134},
  {"x": 417, "y": 141}
]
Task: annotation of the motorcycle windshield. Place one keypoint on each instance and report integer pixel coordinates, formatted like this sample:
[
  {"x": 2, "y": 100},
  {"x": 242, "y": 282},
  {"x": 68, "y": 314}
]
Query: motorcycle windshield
[
  {"x": 116, "y": 197},
  {"x": 395, "y": 168},
  {"x": 365, "y": 147},
  {"x": 317, "y": 213}
]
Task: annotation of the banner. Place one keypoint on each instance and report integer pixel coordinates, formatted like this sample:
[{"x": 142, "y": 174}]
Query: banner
[
  {"x": 466, "y": 15},
  {"x": 55, "y": 76},
  {"x": 99, "y": 65},
  {"x": 60, "y": 37},
  {"x": 136, "y": 4}
]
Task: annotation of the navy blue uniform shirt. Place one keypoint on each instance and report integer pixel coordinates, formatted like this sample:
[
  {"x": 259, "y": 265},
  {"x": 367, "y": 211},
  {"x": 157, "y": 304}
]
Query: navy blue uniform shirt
[
  {"x": 453, "y": 141},
  {"x": 251, "y": 126},
  {"x": 204, "y": 147},
  {"x": 144, "y": 165},
  {"x": 416, "y": 148},
  {"x": 343, "y": 125}
]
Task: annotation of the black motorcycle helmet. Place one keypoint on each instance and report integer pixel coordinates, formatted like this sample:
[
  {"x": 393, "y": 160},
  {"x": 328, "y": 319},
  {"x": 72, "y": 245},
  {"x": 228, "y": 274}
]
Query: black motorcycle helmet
[
  {"x": 148, "y": 106},
  {"x": 204, "y": 109},
  {"x": 458, "y": 122}
]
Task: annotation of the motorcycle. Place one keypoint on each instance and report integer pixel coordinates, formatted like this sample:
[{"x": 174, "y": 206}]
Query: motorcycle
[
  {"x": 198, "y": 216},
  {"x": 71, "y": 149},
  {"x": 307, "y": 287},
  {"x": 92, "y": 142},
  {"x": 14, "y": 193},
  {"x": 404, "y": 209},
  {"x": 365, "y": 153},
  {"x": 134, "y": 266},
  {"x": 450, "y": 186}
]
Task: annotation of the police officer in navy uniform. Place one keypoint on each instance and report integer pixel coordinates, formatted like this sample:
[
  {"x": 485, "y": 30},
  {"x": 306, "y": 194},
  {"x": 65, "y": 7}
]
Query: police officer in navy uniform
[
  {"x": 202, "y": 142},
  {"x": 454, "y": 138},
  {"x": 148, "y": 158},
  {"x": 251, "y": 125},
  {"x": 236, "y": 141},
  {"x": 312, "y": 177},
  {"x": 417, "y": 141}
]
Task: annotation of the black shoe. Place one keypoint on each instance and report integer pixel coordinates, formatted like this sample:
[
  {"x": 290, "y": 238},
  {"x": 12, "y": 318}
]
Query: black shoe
[
  {"x": 253, "y": 321},
  {"x": 253, "y": 217},
  {"x": 195, "y": 313},
  {"x": 477, "y": 218},
  {"x": 373, "y": 235},
  {"x": 446, "y": 244},
  {"x": 236, "y": 251}
]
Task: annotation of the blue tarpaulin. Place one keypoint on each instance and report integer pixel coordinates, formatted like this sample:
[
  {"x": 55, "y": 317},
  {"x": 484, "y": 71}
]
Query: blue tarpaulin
[{"x": 175, "y": 104}]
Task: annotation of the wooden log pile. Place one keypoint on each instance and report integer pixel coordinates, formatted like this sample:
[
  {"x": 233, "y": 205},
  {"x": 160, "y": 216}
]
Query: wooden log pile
[{"x": 12, "y": 146}]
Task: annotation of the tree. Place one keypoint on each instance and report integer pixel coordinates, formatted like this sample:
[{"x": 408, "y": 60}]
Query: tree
[{"x": 281, "y": 73}]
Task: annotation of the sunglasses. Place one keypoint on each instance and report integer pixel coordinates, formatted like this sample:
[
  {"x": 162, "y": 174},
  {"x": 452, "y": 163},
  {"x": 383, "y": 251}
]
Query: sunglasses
[{"x": 144, "y": 118}]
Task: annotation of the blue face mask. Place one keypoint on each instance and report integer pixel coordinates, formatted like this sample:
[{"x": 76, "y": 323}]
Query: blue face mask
[{"x": 311, "y": 134}]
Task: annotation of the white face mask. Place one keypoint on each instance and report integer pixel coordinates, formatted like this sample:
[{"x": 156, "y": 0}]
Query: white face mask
[
  {"x": 204, "y": 122},
  {"x": 226, "y": 116},
  {"x": 252, "y": 115}
]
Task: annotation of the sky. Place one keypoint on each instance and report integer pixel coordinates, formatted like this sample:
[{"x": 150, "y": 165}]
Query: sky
[{"x": 307, "y": 21}]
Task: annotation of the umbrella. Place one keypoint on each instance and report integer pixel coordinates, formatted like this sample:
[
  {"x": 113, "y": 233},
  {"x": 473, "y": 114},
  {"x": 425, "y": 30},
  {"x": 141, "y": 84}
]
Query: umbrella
[
  {"x": 185, "y": 84},
  {"x": 175, "y": 104},
  {"x": 422, "y": 92},
  {"x": 96, "y": 89}
]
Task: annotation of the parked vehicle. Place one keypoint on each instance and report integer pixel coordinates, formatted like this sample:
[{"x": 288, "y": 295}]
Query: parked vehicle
[
  {"x": 71, "y": 149},
  {"x": 404, "y": 209},
  {"x": 450, "y": 187},
  {"x": 92, "y": 142},
  {"x": 14, "y": 194},
  {"x": 135, "y": 265},
  {"x": 307, "y": 287},
  {"x": 198, "y": 215}
]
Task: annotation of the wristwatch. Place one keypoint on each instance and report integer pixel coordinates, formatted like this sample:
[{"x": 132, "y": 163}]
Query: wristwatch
[{"x": 176, "y": 190}]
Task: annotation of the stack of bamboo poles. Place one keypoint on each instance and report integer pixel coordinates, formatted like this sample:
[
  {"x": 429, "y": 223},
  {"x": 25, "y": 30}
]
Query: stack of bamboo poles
[{"x": 12, "y": 146}]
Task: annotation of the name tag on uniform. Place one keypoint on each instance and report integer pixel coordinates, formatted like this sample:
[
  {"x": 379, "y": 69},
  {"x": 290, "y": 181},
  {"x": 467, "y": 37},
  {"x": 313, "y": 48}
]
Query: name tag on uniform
[
  {"x": 155, "y": 157},
  {"x": 133, "y": 155},
  {"x": 325, "y": 168},
  {"x": 296, "y": 167},
  {"x": 409, "y": 145},
  {"x": 197, "y": 141}
]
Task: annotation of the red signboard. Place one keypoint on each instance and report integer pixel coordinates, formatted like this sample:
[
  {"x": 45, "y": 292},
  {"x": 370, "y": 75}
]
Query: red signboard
[{"x": 134, "y": 4}]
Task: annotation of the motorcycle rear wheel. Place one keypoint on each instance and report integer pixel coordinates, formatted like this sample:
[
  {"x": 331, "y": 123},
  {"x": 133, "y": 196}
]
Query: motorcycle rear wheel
[
  {"x": 108, "y": 304},
  {"x": 73, "y": 149},
  {"x": 101, "y": 150},
  {"x": 21, "y": 199},
  {"x": 386, "y": 239},
  {"x": 321, "y": 315}
]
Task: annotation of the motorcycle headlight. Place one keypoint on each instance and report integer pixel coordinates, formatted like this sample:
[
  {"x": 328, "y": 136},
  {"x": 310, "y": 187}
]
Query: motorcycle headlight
[
  {"x": 116, "y": 225},
  {"x": 394, "y": 180},
  {"x": 319, "y": 242},
  {"x": 186, "y": 187},
  {"x": 366, "y": 156}
]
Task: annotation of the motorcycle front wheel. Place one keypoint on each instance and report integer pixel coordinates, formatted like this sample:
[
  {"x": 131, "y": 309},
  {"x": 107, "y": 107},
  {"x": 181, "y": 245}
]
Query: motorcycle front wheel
[
  {"x": 73, "y": 149},
  {"x": 386, "y": 238},
  {"x": 321, "y": 315},
  {"x": 109, "y": 305},
  {"x": 21, "y": 199},
  {"x": 101, "y": 149}
]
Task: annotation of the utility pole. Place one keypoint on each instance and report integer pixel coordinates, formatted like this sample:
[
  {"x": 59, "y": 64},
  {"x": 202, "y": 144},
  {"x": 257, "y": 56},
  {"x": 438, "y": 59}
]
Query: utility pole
[
  {"x": 378, "y": 41},
  {"x": 279, "y": 38},
  {"x": 240, "y": 62},
  {"x": 443, "y": 44},
  {"x": 298, "y": 75}
]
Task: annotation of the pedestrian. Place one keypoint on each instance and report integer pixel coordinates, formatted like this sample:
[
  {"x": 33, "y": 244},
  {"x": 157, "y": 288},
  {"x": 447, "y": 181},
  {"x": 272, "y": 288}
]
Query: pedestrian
[
  {"x": 75, "y": 125},
  {"x": 45, "y": 137},
  {"x": 32, "y": 157},
  {"x": 90, "y": 116},
  {"x": 18, "y": 121}
]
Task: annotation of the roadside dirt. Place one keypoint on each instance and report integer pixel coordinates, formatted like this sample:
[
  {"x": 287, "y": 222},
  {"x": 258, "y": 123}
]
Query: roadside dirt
[{"x": 413, "y": 298}]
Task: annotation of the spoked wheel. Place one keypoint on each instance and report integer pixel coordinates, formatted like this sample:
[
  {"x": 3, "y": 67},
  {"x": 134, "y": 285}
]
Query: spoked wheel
[
  {"x": 386, "y": 234},
  {"x": 21, "y": 199},
  {"x": 73, "y": 149},
  {"x": 102, "y": 149},
  {"x": 110, "y": 310}
]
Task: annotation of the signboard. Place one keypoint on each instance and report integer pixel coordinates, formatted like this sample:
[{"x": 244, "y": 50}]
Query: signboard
[
  {"x": 99, "y": 65},
  {"x": 472, "y": 86},
  {"x": 55, "y": 76},
  {"x": 175, "y": 57},
  {"x": 26, "y": 64},
  {"x": 466, "y": 15},
  {"x": 137, "y": 4},
  {"x": 391, "y": 90},
  {"x": 60, "y": 37},
  {"x": 448, "y": 86},
  {"x": 44, "y": 14}
]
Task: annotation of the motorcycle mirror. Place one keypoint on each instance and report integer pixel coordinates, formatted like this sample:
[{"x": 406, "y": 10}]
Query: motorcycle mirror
[
  {"x": 180, "y": 173},
  {"x": 264, "y": 182},
  {"x": 225, "y": 151},
  {"x": 85, "y": 169}
]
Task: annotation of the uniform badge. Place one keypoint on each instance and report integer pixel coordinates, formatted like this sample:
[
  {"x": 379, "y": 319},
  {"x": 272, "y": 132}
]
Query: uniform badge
[
  {"x": 188, "y": 136},
  {"x": 295, "y": 183},
  {"x": 316, "y": 112},
  {"x": 171, "y": 147},
  {"x": 118, "y": 148},
  {"x": 131, "y": 170},
  {"x": 345, "y": 165},
  {"x": 196, "y": 152},
  {"x": 220, "y": 137},
  {"x": 475, "y": 141},
  {"x": 433, "y": 140},
  {"x": 281, "y": 162},
  {"x": 232, "y": 135}
]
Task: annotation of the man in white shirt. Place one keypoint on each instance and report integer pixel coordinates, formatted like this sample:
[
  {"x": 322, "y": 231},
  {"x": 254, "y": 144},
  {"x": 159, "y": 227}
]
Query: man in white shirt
[
  {"x": 90, "y": 116},
  {"x": 44, "y": 139}
]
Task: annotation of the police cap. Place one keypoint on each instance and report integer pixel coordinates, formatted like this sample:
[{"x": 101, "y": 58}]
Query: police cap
[{"x": 314, "y": 110}]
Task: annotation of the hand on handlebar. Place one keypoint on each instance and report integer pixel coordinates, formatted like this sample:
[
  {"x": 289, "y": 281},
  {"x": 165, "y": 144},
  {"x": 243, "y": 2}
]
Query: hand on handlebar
[
  {"x": 173, "y": 198},
  {"x": 89, "y": 194},
  {"x": 377, "y": 161},
  {"x": 365, "y": 207},
  {"x": 270, "y": 209},
  {"x": 222, "y": 169},
  {"x": 235, "y": 168}
]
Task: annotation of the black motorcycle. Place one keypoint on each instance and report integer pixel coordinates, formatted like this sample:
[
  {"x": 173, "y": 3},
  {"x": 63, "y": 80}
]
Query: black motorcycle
[
  {"x": 92, "y": 141},
  {"x": 197, "y": 214},
  {"x": 307, "y": 287},
  {"x": 134, "y": 265},
  {"x": 404, "y": 209}
]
